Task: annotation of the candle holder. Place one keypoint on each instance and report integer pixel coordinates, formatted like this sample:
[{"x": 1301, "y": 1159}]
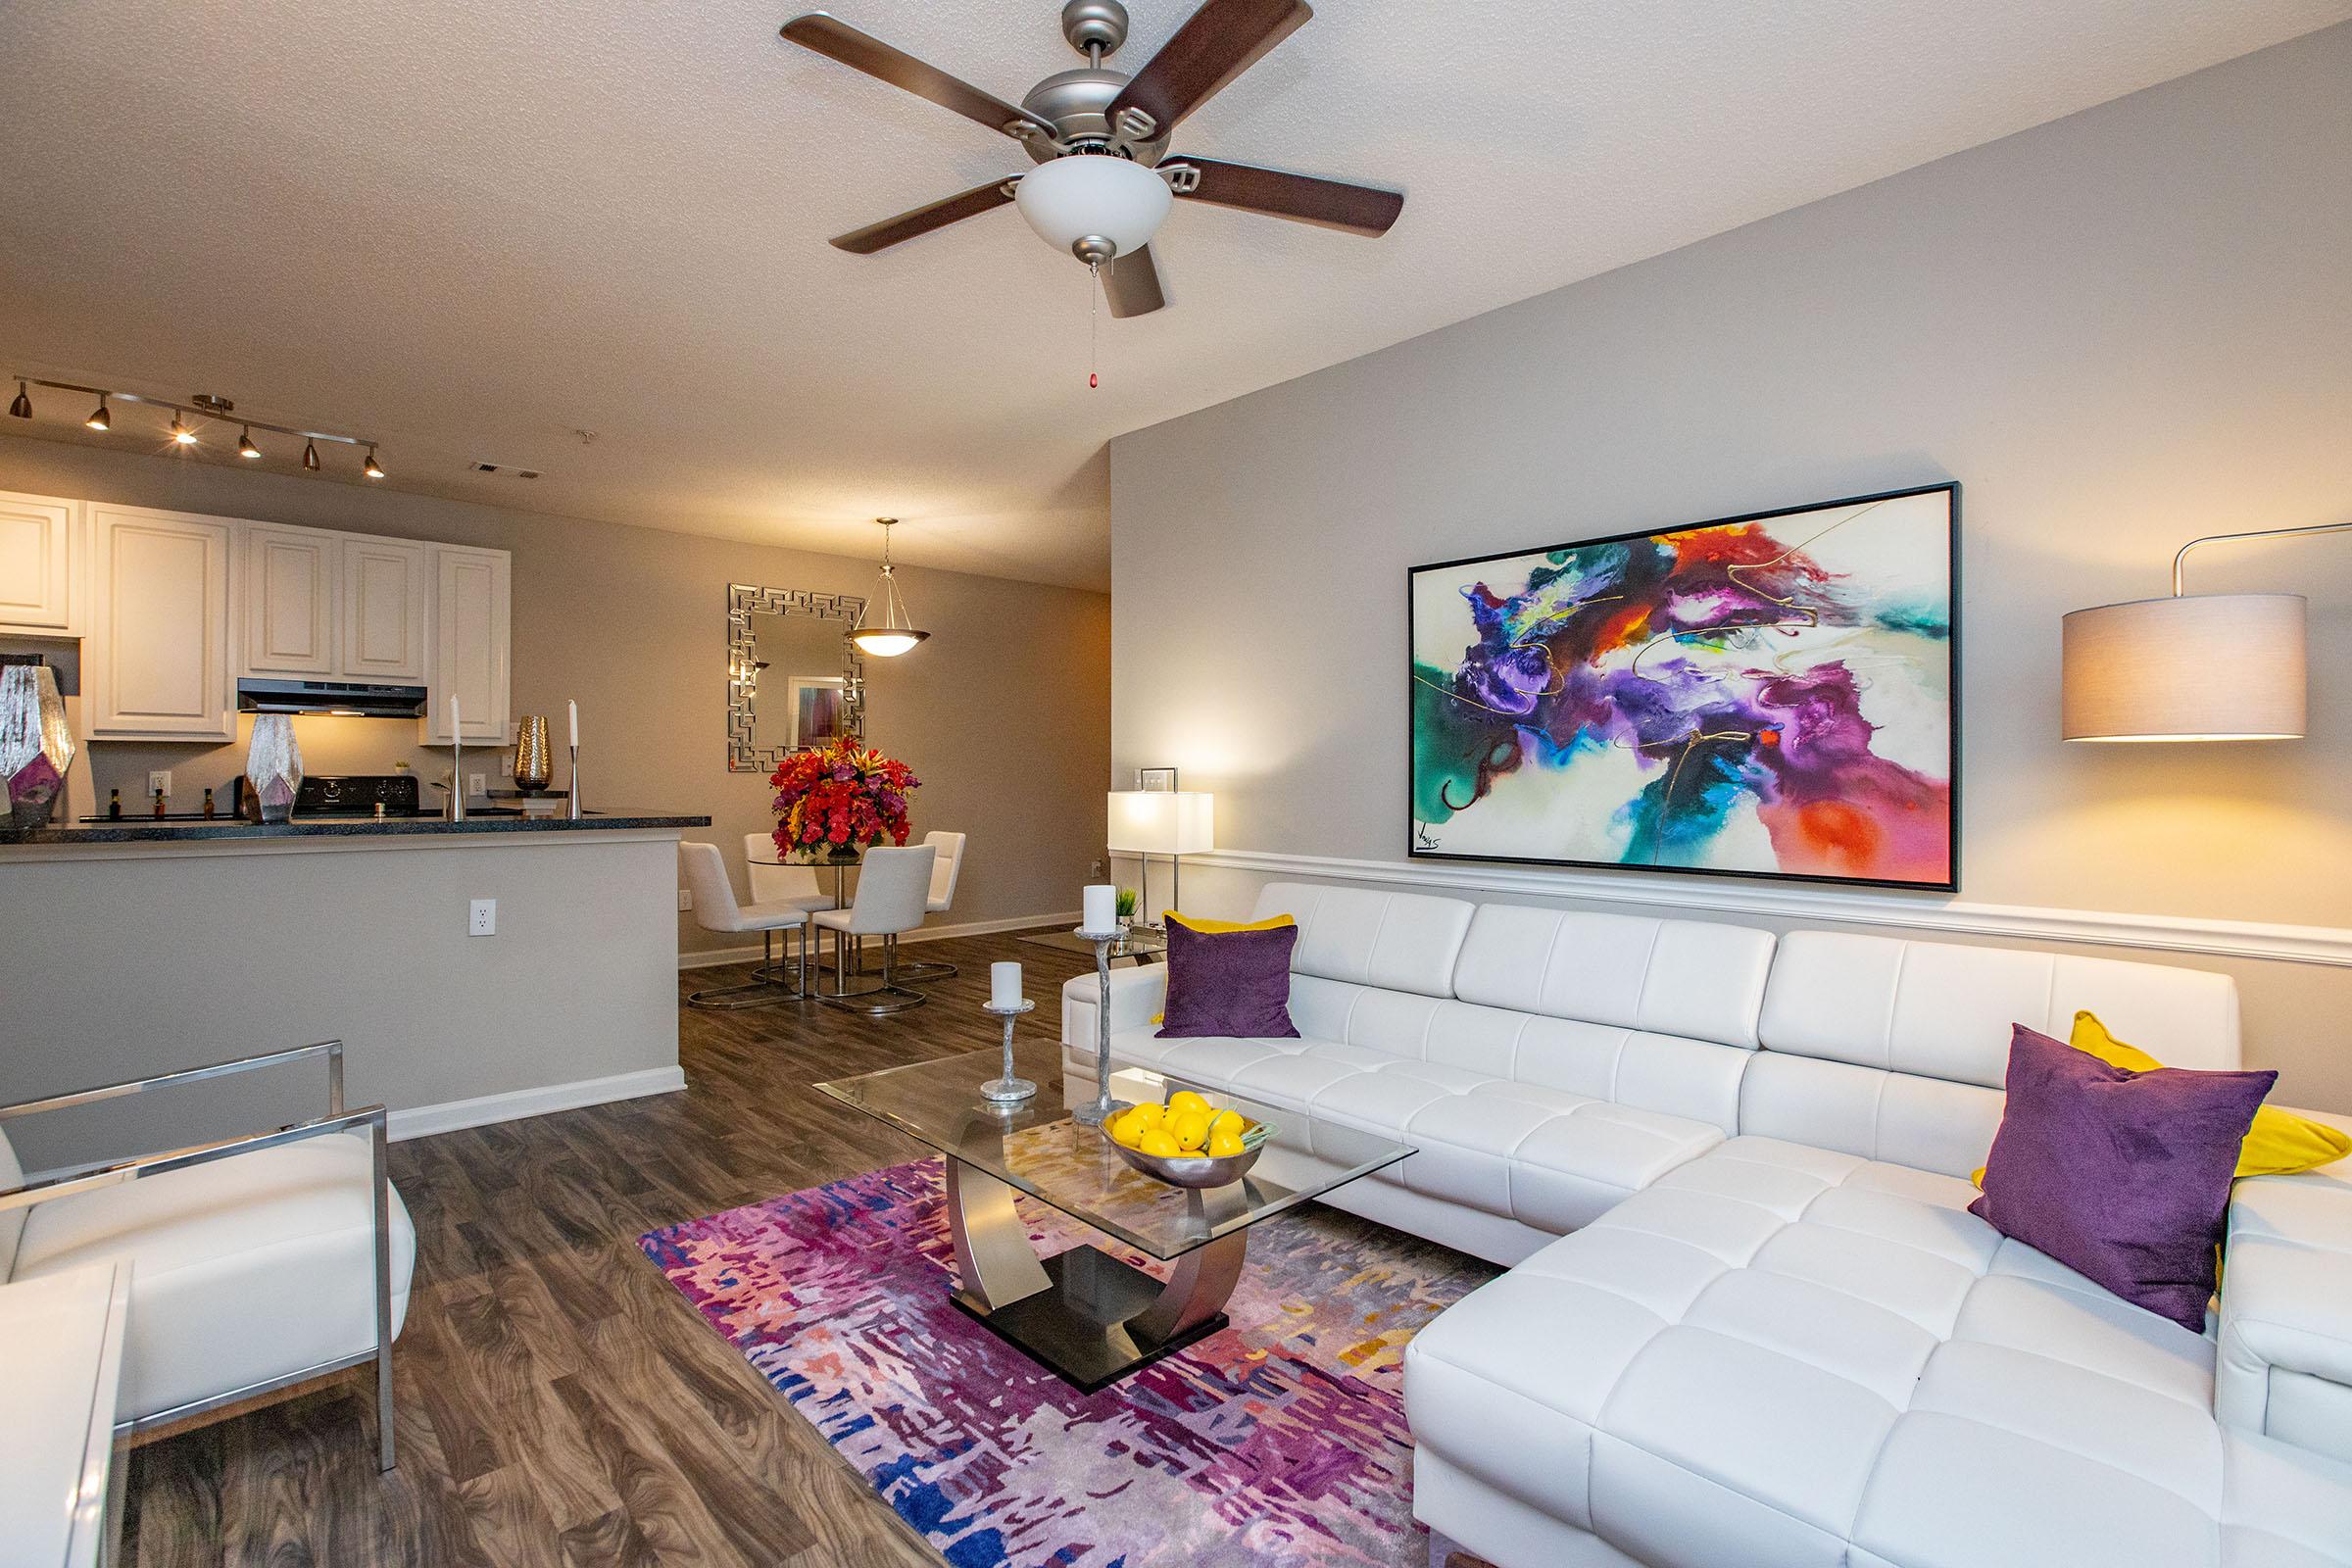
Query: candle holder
[
  {"x": 1007, "y": 1090},
  {"x": 571, "y": 808},
  {"x": 1100, "y": 1109}
]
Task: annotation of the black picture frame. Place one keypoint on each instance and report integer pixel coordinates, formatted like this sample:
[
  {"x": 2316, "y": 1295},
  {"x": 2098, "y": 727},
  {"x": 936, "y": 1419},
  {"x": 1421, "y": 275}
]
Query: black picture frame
[{"x": 1950, "y": 488}]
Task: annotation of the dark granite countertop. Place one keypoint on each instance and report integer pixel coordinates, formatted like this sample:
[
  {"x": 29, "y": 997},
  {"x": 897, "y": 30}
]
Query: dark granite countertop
[{"x": 134, "y": 830}]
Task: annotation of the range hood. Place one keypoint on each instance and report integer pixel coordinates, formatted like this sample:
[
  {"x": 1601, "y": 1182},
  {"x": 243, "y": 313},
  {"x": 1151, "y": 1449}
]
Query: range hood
[{"x": 356, "y": 699}]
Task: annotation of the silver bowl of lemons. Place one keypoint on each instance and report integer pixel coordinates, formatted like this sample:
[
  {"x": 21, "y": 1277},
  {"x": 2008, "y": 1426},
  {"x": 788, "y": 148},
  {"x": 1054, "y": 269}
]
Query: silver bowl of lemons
[{"x": 1188, "y": 1142}]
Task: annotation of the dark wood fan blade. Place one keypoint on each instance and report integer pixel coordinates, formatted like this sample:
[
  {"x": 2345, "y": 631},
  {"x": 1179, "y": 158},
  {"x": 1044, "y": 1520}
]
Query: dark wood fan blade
[
  {"x": 1131, "y": 284},
  {"x": 1302, "y": 198},
  {"x": 923, "y": 219},
  {"x": 1216, "y": 43},
  {"x": 859, "y": 51}
]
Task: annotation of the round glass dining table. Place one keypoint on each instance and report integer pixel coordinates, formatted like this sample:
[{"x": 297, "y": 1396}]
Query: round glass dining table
[{"x": 840, "y": 861}]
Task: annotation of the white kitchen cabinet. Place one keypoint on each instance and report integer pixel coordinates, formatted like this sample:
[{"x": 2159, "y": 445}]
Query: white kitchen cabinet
[
  {"x": 291, "y": 583},
  {"x": 156, "y": 661},
  {"x": 42, "y": 559},
  {"x": 384, "y": 619},
  {"x": 472, "y": 591}
]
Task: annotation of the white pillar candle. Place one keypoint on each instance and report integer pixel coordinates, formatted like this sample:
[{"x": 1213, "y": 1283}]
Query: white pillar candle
[
  {"x": 456, "y": 715},
  {"x": 1004, "y": 985},
  {"x": 575, "y": 724},
  {"x": 1101, "y": 907}
]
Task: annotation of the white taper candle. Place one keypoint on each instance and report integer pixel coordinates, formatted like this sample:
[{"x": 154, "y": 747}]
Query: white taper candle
[{"x": 575, "y": 723}]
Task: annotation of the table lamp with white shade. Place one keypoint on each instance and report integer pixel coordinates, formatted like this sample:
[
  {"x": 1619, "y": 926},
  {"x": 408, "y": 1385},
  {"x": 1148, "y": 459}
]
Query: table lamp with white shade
[{"x": 1170, "y": 823}]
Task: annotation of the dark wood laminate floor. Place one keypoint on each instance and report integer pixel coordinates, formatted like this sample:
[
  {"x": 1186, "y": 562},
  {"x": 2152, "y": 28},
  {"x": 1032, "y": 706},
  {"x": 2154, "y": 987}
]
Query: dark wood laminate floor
[{"x": 558, "y": 1401}]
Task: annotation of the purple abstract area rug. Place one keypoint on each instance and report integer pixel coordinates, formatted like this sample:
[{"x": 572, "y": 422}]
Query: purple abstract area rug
[{"x": 1278, "y": 1440}]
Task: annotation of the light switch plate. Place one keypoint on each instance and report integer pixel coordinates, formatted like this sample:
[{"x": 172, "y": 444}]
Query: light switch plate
[
  {"x": 685, "y": 897},
  {"x": 481, "y": 918}
]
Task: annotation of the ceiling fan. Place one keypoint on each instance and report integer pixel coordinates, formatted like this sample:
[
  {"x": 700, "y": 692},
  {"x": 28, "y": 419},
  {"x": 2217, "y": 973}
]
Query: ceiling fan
[{"x": 1101, "y": 136}]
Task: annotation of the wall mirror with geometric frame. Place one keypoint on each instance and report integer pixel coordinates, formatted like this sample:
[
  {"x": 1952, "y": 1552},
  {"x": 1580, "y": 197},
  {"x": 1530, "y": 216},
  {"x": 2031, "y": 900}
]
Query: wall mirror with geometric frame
[{"x": 793, "y": 678}]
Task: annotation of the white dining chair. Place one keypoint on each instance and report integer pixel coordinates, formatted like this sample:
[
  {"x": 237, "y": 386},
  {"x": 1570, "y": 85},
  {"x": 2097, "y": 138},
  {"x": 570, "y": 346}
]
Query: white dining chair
[
  {"x": 794, "y": 885},
  {"x": 943, "y": 871},
  {"x": 716, "y": 909},
  {"x": 894, "y": 890},
  {"x": 257, "y": 1262}
]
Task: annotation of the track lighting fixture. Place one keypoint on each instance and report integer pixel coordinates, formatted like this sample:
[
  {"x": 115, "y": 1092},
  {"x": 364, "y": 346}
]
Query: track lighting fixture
[
  {"x": 897, "y": 633},
  {"x": 198, "y": 405}
]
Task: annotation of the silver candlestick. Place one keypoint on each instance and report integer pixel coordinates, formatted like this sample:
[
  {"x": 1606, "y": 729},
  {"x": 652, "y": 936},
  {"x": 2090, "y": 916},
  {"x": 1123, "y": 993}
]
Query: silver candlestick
[
  {"x": 1100, "y": 1109},
  {"x": 1007, "y": 1090},
  {"x": 457, "y": 775},
  {"x": 573, "y": 808}
]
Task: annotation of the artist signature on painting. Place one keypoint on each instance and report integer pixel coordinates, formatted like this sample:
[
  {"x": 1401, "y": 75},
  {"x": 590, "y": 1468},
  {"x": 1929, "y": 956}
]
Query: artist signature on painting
[{"x": 1423, "y": 838}]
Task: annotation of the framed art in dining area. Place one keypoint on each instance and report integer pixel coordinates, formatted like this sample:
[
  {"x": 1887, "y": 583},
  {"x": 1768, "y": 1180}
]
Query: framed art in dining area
[
  {"x": 1773, "y": 695},
  {"x": 816, "y": 710}
]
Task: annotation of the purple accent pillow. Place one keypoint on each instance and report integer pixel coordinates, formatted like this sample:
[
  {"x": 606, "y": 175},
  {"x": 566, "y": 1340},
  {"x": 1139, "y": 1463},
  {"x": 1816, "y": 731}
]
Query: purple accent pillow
[
  {"x": 2121, "y": 1176},
  {"x": 1229, "y": 984}
]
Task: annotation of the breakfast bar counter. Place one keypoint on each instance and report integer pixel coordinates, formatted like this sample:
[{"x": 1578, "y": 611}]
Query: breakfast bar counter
[{"x": 148, "y": 830}]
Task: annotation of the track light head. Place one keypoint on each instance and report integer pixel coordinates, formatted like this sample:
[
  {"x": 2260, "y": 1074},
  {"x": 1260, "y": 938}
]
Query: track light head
[
  {"x": 374, "y": 469},
  {"x": 310, "y": 456},
  {"x": 22, "y": 405},
  {"x": 100, "y": 418},
  {"x": 245, "y": 446},
  {"x": 180, "y": 431}
]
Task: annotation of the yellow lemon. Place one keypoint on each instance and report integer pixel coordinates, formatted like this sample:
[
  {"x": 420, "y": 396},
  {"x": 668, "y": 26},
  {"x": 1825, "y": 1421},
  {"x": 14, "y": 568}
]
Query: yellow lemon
[
  {"x": 1226, "y": 1121},
  {"x": 1184, "y": 1100},
  {"x": 1148, "y": 1115},
  {"x": 1127, "y": 1130},
  {"x": 1158, "y": 1144},
  {"x": 1222, "y": 1145},
  {"x": 1190, "y": 1128}
]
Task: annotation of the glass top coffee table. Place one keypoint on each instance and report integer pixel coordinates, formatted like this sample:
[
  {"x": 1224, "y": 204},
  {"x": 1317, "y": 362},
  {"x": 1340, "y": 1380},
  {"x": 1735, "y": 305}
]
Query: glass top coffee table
[{"x": 1091, "y": 1318}]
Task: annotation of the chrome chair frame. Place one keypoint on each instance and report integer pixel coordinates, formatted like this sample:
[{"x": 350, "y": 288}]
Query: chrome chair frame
[
  {"x": 72, "y": 1180},
  {"x": 767, "y": 986}
]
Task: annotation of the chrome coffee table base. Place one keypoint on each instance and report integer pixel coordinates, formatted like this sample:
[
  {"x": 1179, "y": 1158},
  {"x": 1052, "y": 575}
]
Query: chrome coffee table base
[{"x": 1087, "y": 1317}]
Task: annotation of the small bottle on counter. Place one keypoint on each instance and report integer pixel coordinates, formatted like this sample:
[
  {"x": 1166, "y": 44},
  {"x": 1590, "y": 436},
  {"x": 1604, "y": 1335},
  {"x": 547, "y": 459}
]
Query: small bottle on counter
[
  {"x": 114, "y": 807},
  {"x": 208, "y": 803},
  {"x": 158, "y": 802}
]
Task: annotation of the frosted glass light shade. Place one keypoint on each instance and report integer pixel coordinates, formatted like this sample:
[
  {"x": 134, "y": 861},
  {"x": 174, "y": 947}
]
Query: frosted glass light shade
[
  {"x": 2195, "y": 668},
  {"x": 1094, "y": 195},
  {"x": 1162, "y": 821}
]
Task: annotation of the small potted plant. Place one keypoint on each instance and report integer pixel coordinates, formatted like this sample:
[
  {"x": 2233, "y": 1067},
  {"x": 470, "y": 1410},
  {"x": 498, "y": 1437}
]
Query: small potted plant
[{"x": 1125, "y": 905}]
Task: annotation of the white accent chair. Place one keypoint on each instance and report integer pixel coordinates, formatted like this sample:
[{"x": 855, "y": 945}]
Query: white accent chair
[
  {"x": 257, "y": 1262},
  {"x": 716, "y": 909},
  {"x": 1750, "y": 1321},
  {"x": 772, "y": 885},
  {"x": 943, "y": 872},
  {"x": 894, "y": 888}
]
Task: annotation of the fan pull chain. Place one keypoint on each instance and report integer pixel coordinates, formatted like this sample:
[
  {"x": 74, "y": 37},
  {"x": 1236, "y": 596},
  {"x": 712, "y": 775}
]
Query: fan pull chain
[{"x": 1093, "y": 294}]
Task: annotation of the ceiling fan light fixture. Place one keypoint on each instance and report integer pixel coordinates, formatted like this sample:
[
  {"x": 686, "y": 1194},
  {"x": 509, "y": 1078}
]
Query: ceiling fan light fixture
[{"x": 1084, "y": 203}]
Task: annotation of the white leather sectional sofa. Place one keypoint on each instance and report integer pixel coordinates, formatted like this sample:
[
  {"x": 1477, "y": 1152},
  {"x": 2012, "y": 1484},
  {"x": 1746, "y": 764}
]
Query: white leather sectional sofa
[{"x": 1750, "y": 1322}]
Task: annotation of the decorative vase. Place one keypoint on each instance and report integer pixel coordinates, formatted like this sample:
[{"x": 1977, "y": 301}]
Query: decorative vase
[
  {"x": 36, "y": 746},
  {"x": 534, "y": 764},
  {"x": 273, "y": 765}
]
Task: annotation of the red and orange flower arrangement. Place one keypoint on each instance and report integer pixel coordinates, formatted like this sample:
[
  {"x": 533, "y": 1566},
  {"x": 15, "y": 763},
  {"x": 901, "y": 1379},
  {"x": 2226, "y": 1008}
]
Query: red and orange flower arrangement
[{"x": 840, "y": 793}]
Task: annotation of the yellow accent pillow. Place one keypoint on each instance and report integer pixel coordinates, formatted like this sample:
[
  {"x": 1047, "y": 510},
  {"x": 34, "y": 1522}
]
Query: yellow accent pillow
[
  {"x": 2278, "y": 1143},
  {"x": 1220, "y": 927}
]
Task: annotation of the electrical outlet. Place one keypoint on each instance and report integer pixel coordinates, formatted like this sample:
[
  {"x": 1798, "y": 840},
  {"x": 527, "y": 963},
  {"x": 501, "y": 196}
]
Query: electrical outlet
[
  {"x": 481, "y": 918},
  {"x": 685, "y": 899},
  {"x": 158, "y": 782},
  {"x": 477, "y": 784}
]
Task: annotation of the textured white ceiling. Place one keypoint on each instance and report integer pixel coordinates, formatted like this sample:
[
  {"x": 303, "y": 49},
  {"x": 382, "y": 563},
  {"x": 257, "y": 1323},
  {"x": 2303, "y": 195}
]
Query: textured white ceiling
[{"x": 473, "y": 230}]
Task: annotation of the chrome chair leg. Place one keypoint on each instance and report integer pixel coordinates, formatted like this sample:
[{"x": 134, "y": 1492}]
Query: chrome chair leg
[
  {"x": 759, "y": 993},
  {"x": 875, "y": 996}
]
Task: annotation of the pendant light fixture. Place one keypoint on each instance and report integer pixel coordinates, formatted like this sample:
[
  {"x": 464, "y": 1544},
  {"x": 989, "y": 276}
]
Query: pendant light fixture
[
  {"x": 374, "y": 469},
  {"x": 245, "y": 446},
  {"x": 897, "y": 633},
  {"x": 22, "y": 405},
  {"x": 180, "y": 433},
  {"x": 100, "y": 418},
  {"x": 310, "y": 456}
]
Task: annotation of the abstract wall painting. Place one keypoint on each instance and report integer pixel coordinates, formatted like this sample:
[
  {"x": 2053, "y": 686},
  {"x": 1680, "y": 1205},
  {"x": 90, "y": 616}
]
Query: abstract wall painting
[{"x": 1767, "y": 696}]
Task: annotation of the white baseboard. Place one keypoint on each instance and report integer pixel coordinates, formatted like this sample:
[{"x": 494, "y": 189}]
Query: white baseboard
[
  {"x": 2163, "y": 933},
  {"x": 712, "y": 958},
  {"x": 425, "y": 1120}
]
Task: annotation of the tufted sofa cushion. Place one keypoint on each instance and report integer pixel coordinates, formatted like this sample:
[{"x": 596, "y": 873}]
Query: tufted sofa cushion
[{"x": 1783, "y": 1354}]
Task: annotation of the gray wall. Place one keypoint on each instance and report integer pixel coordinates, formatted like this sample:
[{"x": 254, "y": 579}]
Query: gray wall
[
  {"x": 2118, "y": 330},
  {"x": 1004, "y": 714}
]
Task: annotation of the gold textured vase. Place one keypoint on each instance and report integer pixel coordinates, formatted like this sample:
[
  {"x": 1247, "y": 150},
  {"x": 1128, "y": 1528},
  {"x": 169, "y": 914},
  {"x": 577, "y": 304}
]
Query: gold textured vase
[{"x": 534, "y": 765}]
